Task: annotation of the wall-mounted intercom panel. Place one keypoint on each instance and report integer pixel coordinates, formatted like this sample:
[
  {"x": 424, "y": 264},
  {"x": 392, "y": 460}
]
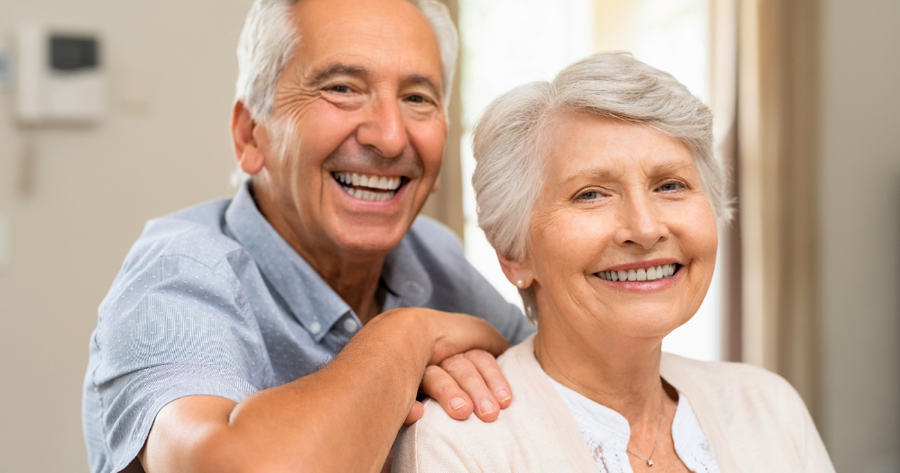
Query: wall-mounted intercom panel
[{"x": 61, "y": 76}]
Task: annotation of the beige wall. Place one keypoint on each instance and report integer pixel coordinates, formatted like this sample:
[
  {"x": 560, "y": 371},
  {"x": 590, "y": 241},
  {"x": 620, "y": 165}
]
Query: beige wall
[
  {"x": 94, "y": 189},
  {"x": 859, "y": 214}
]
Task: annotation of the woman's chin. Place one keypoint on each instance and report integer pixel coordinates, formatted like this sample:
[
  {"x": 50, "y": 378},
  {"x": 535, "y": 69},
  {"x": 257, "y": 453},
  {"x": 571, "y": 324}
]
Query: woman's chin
[{"x": 650, "y": 326}]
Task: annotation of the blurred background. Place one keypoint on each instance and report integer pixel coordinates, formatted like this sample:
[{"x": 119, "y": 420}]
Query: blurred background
[{"x": 806, "y": 98}]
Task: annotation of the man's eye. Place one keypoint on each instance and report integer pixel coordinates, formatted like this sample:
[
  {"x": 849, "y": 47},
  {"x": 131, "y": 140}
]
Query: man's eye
[
  {"x": 341, "y": 89},
  {"x": 417, "y": 99}
]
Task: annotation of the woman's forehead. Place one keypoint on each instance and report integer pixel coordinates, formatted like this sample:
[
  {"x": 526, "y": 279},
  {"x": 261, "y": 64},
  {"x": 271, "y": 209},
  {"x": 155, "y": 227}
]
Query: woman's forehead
[{"x": 591, "y": 146}]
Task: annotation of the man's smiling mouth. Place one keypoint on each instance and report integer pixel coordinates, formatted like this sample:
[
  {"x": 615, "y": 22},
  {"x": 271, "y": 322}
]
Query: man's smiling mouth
[
  {"x": 369, "y": 188},
  {"x": 663, "y": 271}
]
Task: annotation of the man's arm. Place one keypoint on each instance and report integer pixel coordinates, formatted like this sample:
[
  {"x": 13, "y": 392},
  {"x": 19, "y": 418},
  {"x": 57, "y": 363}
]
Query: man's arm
[{"x": 341, "y": 418}]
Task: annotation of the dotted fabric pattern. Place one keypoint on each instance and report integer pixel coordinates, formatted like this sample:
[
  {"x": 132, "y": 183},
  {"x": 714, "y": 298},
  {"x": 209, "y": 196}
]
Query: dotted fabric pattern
[{"x": 212, "y": 301}]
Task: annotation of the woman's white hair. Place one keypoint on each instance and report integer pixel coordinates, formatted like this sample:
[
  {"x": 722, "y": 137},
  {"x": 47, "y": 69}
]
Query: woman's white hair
[
  {"x": 509, "y": 140},
  {"x": 270, "y": 38}
]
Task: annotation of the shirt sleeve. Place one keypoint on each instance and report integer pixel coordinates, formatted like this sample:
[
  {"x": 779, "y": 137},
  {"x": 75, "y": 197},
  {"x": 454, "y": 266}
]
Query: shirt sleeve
[{"x": 177, "y": 328}]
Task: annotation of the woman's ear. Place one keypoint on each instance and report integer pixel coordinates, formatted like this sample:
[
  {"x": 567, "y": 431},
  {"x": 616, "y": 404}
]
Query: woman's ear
[
  {"x": 247, "y": 149},
  {"x": 518, "y": 273}
]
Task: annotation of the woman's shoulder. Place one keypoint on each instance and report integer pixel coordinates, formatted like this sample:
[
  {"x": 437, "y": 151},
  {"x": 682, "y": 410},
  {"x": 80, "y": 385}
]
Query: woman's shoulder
[
  {"x": 724, "y": 376},
  {"x": 740, "y": 406},
  {"x": 535, "y": 433},
  {"x": 434, "y": 442}
]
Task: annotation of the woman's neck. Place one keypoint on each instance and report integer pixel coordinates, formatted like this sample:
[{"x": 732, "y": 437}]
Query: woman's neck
[{"x": 622, "y": 375}]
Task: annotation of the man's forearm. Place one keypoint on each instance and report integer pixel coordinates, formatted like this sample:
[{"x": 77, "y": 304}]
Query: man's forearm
[{"x": 342, "y": 418}]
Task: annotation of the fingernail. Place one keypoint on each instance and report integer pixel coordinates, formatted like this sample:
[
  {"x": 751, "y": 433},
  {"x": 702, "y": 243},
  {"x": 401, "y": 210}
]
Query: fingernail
[
  {"x": 487, "y": 407},
  {"x": 457, "y": 403},
  {"x": 503, "y": 395}
]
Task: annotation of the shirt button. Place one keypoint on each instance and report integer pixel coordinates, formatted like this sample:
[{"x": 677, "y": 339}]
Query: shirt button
[
  {"x": 350, "y": 325},
  {"x": 315, "y": 328}
]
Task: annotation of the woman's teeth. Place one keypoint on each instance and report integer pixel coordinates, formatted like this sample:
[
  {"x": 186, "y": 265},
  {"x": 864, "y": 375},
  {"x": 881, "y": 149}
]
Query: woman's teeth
[
  {"x": 643, "y": 274},
  {"x": 377, "y": 188}
]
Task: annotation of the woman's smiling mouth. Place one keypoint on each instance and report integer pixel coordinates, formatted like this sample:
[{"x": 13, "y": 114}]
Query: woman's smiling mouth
[{"x": 652, "y": 273}]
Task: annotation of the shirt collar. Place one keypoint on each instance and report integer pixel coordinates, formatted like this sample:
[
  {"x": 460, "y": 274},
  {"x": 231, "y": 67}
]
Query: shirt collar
[{"x": 310, "y": 299}]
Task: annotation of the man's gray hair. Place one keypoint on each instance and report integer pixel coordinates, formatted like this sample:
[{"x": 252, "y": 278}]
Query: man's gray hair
[
  {"x": 270, "y": 39},
  {"x": 510, "y": 139}
]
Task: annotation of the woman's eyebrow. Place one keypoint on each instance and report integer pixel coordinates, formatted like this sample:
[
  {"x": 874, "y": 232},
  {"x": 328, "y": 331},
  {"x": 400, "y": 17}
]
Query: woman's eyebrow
[
  {"x": 593, "y": 174},
  {"x": 668, "y": 168}
]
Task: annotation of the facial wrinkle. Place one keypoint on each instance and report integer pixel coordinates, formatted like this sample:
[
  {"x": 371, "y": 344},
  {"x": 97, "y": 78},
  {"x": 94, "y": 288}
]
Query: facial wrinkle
[{"x": 365, "y": 159}]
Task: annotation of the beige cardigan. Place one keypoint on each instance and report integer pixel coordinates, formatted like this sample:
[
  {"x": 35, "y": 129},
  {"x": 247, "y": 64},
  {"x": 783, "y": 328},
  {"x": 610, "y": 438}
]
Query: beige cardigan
[{"x": 754, "y": 420}]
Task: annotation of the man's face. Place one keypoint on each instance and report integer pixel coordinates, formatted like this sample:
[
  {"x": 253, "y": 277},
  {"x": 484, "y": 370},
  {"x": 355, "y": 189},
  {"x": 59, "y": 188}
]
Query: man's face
[{"x": 358, "y": 128}]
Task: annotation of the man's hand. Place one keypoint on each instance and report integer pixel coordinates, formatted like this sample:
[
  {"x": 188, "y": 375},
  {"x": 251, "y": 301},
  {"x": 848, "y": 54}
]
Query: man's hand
[
  {"x": 463, "y": 383},
  {"x": 345, "y": 416}
]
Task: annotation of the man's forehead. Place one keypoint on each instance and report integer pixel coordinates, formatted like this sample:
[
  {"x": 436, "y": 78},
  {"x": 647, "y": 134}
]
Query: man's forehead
[{"x": 332, "y": 30}]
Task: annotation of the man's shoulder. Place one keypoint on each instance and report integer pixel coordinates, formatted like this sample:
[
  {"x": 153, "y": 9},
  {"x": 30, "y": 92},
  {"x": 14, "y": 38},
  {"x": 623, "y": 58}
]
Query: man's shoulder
[
  {"x": 188, "y": 244},
  {"x": 440, "y": 252},
  {"x": 196, "y": 233},
  {"x": 429, "y": 233}
]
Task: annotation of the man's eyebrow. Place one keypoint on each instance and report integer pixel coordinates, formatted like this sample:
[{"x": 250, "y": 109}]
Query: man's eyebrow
[
  {"x": 427, "y": 82},
  {"x": 321, "y": 75}
]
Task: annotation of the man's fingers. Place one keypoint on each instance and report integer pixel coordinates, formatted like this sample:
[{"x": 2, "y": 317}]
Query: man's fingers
[
  {"x": 458, "y": 333},
  {"x": 493, "y": 377},
  {"x": 439, "y": 385},
  {"x": 467, "y": 376},
  {"x": 415, "y": 413}
]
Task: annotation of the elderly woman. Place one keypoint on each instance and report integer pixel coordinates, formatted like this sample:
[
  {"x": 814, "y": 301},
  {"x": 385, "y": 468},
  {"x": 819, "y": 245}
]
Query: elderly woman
[{"x": 601, "y": 195}]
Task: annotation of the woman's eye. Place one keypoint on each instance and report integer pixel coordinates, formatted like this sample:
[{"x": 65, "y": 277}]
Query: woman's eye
[
  {"x": 671, "y": 186},
  {"x": 589, "y": 195}
]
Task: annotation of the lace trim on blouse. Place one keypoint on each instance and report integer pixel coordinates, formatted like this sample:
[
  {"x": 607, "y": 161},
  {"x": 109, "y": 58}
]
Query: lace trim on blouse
[{"x": 607, "y": 433}]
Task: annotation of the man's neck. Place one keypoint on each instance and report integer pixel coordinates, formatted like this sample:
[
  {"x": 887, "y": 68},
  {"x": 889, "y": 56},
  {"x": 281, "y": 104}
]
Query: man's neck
[{"x": 355, "y": 278}]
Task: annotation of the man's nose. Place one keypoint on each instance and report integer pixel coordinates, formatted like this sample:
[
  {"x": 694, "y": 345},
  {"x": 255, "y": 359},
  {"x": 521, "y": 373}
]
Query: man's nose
[
  {"x": 641, "y": 224},
  {"x": 384, "y": 129}
]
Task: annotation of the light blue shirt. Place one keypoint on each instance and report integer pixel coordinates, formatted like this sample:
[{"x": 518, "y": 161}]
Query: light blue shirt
[{"x": 212, "y": 301}]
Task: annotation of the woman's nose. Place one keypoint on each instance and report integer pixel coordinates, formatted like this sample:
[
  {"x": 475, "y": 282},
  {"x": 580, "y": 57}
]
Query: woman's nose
[
  {"x": 641, "y": 224},
  {"x": 384, "y": 130}
]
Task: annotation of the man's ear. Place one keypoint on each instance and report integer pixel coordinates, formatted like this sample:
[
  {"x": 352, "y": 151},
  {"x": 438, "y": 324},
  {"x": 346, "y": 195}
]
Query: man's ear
[
  {"x": 520, "y": 274},
  {"x": 246, "y": 147}
]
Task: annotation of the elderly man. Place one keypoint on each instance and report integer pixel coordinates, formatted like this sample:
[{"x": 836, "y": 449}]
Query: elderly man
[{"x": 213, "y": 350}]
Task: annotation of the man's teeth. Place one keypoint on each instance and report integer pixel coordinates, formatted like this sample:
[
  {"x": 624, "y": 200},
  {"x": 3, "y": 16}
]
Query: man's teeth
[
  {"x": 373, "y": 196},
  {"x": 643, "y": 274},
  {"x": 374, "y": 182}
]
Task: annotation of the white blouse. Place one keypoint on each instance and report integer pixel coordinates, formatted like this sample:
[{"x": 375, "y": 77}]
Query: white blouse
[{"x": 607, "y": 433}]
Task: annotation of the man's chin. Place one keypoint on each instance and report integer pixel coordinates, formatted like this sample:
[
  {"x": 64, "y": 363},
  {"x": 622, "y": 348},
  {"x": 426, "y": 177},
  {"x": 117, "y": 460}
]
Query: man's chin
[{"x": 371, "y": 241}]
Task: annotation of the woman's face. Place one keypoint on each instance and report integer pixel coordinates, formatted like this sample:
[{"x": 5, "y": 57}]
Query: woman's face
[{"x": 618, "y": 200}]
